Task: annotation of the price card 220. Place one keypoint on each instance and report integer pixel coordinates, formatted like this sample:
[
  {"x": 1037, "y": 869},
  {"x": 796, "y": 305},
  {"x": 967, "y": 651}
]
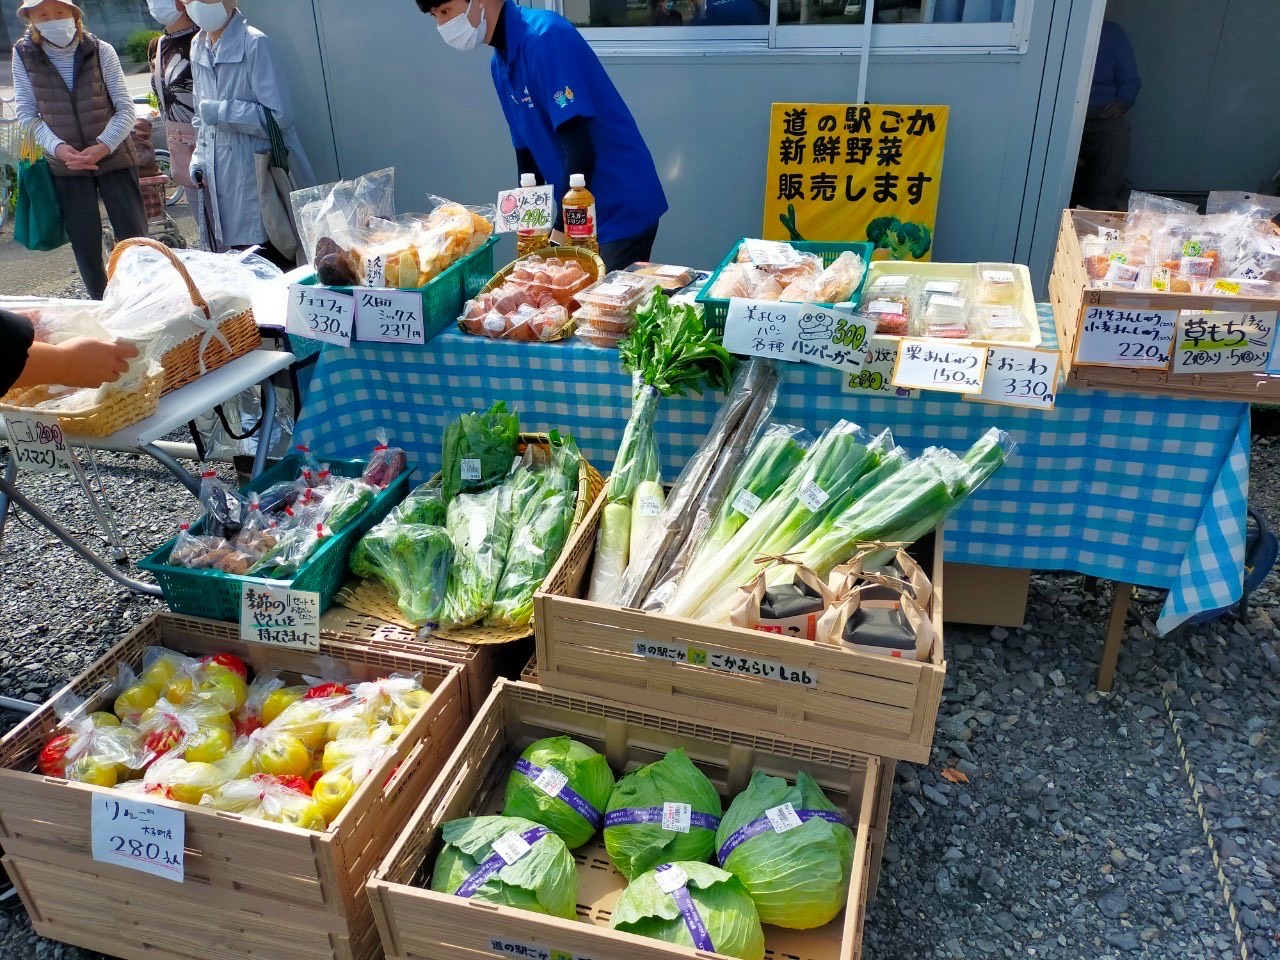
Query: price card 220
[{"x": 389, "y": 316}]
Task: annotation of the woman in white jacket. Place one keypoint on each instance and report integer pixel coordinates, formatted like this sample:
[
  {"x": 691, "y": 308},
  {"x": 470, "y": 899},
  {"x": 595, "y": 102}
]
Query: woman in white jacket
[{"x": 236, "y": 79}]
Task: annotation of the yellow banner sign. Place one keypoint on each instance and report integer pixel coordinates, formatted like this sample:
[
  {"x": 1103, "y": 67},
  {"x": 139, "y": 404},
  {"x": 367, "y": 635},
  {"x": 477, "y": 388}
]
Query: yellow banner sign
[{"x": 856, "y": 172}]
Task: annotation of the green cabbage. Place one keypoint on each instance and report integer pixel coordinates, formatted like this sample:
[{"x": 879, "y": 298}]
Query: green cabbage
[
  {"x": 544, "y": 880},
  {"x": 732, "y": 923},
  {"x": 637, "y": 847},
  {"x": 588, "y": 775},
  {"x": 800, "y": 878}
]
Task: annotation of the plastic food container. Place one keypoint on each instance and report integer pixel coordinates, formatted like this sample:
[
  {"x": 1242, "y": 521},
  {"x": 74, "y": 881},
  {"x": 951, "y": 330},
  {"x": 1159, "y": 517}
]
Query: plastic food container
[
  {"x": 606, "y": 321},
  {"x": 670, "y": 278},
  {"x": 562, "y": 279},
  {"x": 892, "y": 285},
  {"x": 619, "y": 291},
  {"x": 1001, "y": 323},
  {"x": 892, "y": 314},
  {"x": 598, "y": 337},
  {"x": 996, "y": 283}
]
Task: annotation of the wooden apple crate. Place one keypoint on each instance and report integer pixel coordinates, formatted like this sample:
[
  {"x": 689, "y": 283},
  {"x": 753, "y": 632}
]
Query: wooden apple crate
[
  {"x": 417, "y": 924},
  {"x": 251, "y": 888},
  {"x": 882, "y": 706},
  {"x": 1072, "y": 297},
  {"x": 481, "y": 665}
]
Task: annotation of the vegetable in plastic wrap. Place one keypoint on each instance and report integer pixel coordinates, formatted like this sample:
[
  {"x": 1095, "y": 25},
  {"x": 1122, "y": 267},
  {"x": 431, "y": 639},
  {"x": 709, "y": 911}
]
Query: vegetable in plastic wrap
[
  {"x": 479, "y": 525},
  {"x": 424, "y": 504},
  {"x": 224, "y": 507},
  {"x": 293, "y": 550},
  {"x": 385, "y": 465},
  {"x": 412, "y": 561},
  {"x": 478, "y": 450},
  {"x": 344, "y": 503}
]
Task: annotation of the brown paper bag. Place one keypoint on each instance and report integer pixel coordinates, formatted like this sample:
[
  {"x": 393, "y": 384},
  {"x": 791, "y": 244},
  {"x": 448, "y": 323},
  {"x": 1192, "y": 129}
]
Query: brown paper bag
[
  {"x": 832, "y": 624},
  {"x": 744, "y": 609}
]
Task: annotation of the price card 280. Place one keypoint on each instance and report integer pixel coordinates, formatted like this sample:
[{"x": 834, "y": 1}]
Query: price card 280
[
  {"x": 319, "y": 313},
  {"x": 142, "y": 836},
  {"x": 389, "y": 316}
]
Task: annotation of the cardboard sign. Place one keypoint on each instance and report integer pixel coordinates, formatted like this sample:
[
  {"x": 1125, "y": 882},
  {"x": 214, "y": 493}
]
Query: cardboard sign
[
  {"x": 280, "y": 617},
  {"x": 526, "y": 208},
  {"x": 798, "y": 333},
  {"x": 950, "y": 367},
  {"x": 138, "y": 835},
  {"x": 389, "y": 316},
  {"x": 1020, "y": 377},
  {"x": 1115, "y": 337},
  {"x": 37, "y": 443},
  {"x": 319, "y": 313},
  {"x": 1216, "y": 342}
]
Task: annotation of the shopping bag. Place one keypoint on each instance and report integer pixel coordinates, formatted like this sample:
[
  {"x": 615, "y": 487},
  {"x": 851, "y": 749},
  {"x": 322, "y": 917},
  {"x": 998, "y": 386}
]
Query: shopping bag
[
  {"x": 38, "y": 223},
  {"x": 274, "y": 186}
]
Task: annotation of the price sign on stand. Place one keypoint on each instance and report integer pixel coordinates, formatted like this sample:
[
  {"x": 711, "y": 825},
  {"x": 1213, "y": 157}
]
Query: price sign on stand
[
  {"x": 389, "y": 316},
  {"x": 876, "y": 375},
  {"x": 280, "y": 617},
  {"x": 138, "y": 835},
  {"x": 1115, "y": 337},
  {"x": 319, "y": 313},
  {"x": 1223, "y": 342},
  {"x": 526, "y": 208},
  {"x": 37, "y": 443},
  {"x": 798, "y": 333},
  {"x": 931, "y": 365},
  {"x": 1020, "y": 377}
]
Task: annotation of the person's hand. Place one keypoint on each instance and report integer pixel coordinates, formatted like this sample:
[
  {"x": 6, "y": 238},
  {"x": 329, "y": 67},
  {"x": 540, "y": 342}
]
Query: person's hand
[
  {"x": 86, "y": 362},
  {"x": 95, "y": 154},
  {"x": 1114, "y": 109},
  {"x": 196, "y": 171},
  {"x": 210, "y": 112},
  {"x": 66, "y": 153}
]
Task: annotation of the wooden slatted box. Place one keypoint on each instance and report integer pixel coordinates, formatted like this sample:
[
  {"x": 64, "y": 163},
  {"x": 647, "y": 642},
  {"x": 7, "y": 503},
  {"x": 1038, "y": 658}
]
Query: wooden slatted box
[
  {"x": 252, "y": 888},
  {"x": 417, "y": 924}
]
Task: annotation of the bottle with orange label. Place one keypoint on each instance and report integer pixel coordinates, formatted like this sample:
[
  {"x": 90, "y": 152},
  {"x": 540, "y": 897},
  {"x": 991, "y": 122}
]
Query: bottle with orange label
[{"x": 580, "y": 214}]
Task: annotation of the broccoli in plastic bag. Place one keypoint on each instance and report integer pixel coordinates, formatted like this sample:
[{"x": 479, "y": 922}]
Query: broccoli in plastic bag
[{"x": 412, "y": 561}]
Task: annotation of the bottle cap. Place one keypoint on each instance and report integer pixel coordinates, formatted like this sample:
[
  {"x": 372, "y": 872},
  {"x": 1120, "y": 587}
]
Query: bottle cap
[
  {"x": 528, "y": 180},
  {"x": 577, "y": 181}
]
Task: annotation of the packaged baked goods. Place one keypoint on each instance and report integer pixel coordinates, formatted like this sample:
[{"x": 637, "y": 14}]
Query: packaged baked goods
[
  {"x": 608, "y": 339},
  {"x": 996, "y": 283},
  {"x": 670, "y": 278},
  {"x": 619, "y": 291},
  {"x": 835, "y": 284},
  {"x": 891, "y": 312},
  {"x": 943, "y": 315}
]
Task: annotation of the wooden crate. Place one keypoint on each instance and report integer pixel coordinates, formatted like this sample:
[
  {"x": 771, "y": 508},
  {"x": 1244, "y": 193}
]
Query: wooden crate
[
  {"x": 417, "y": 924},
  {"x": 1072, "y": 297},
  {"x": 481, "y": 665},
  {"x": 251, "y": 888},
  {"x": 882, "y": 706}
]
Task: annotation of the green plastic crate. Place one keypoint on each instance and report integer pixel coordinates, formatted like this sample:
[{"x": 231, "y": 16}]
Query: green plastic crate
[
  {"x": 443, "y": 297},
  {"x": 216, "y": 595},
  {"x": 717, "y": 311}
]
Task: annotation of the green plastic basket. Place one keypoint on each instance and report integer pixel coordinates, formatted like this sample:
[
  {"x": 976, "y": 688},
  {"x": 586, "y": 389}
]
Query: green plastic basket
[
  {"x": 443, "y": 297},
  {"x": 216, "y": 595},
  {"x": 717, "y": 311}
]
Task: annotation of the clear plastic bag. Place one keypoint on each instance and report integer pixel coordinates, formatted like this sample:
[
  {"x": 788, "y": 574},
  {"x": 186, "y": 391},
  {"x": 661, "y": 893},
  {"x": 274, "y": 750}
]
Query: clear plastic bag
[
  {"x": 264, "y": 797},
  {"x": 479, "y": 527},
  {"x": 338, "y": 212},
  {"x": 835, "y": 284},
  {"x": 225, "y": 509},
  {"x": 385, "y": 464},
  {"x": 193, "y": 552}
]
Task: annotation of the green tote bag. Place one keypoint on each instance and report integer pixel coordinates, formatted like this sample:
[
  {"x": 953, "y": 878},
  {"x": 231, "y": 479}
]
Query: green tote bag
[{"x": 38, "y": 223}]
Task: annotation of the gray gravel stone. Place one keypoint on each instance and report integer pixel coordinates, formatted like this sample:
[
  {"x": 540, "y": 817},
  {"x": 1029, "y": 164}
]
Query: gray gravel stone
[{"x": 1113, "y": 904}]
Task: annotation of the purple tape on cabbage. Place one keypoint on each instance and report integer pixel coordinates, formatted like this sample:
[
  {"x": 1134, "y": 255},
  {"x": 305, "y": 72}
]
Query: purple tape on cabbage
[
  {"x": 630, "y": 815},
  {"x": 692, "y": 918},
  {"x": 494, "y": 863},
  {"x": 761, "y": 825},
  {"x": 576, "y": 803}
]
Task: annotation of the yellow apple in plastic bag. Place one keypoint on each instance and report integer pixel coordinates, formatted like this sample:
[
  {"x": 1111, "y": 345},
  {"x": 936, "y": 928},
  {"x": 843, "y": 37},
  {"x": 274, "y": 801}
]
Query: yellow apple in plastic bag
[
  {"x": 101, "y": 718},
  {"x": 283, "y": 755},
  {"x": 308, "y": 720},
  {"x": 193, "y": 781},
  {"x": 332, "y": 793},
  {"x": 133, "y": 701},
  {"x": 409, "y": 706},
  {"x": 276, "y": 701},
  {"x": 179, "y": 690},
  {"x": 306, "y": 817},
  {"x": 341, "y": 751},
  {"x": 160, "y": 673},
  {"x": 208, "y": 745},
  {"x": 101, "y": 773},
  {"x": 223, "y": 687},
  {"x": 352, "y": 728}
]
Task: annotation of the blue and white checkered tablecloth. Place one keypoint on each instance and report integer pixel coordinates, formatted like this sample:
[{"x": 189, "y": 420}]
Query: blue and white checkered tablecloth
[{"x": 1140, "y": 489}]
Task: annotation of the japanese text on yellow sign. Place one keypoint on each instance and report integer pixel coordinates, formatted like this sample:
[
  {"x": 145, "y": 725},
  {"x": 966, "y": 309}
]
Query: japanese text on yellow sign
[{"x": 855, "y": 172}]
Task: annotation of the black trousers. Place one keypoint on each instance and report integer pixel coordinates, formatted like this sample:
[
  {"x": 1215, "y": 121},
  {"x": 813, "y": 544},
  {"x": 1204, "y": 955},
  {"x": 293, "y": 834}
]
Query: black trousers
[
  {"x": 620, "y": 254},
  {"x": 1104, "y": 162},
  {"x": 78, "y": 197}
]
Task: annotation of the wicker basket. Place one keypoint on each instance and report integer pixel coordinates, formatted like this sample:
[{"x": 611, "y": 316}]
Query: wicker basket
[
  {"x": 373, "y": 600},
  {"x": 118, "y": 411},
  {"x": 197, "y": 355}
]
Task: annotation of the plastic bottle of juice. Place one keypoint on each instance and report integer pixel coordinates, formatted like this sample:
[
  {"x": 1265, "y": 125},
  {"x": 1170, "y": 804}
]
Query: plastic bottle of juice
[
  {"x": 580, "y": 214},
  {"x": 531, "y": 239}
]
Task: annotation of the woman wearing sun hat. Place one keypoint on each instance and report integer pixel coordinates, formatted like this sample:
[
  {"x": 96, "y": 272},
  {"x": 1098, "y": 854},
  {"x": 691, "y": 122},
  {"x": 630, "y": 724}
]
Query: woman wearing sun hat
[{"x": 70, "y": 85}]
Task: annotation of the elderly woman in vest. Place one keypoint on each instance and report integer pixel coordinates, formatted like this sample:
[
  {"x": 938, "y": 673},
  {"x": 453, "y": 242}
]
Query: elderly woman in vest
[
  {"x": 70, "y": 85},
  {"x": 237, "y": 80}
]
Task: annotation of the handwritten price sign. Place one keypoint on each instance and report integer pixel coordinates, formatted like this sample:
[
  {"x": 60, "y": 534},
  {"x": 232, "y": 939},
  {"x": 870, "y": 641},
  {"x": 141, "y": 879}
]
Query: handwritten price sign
[
  {"x": 951, "y": 367},
  {"x": 876, "y": 374},
  {"x": 1223, "y": 342},
  {"x": 140, "y": 836},
  {"x": 37, "y": 443},
  {"x": 319, "y": 313},
  {"x": 280, "y": 617},
  {"x": 1115, "y": 337},
  {"x": 798, "y": 333},
  {"x": 1020, "y": 377},
  {"x": 390, "y": 316},
  {"x": 526, "y": 208}
]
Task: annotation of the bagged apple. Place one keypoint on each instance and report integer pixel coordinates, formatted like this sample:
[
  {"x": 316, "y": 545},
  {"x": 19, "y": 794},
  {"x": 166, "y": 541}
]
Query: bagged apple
[
  {"x": 87, "y": 753},
  {"x": 184, "y": 780},
  {"x": 395, "y": 700},
  {"x": 266, "y": 798},
  {"x": 175, "y": 728},
  {"x": 347, "y": 764},
  {"x": 310, "y": 720}
]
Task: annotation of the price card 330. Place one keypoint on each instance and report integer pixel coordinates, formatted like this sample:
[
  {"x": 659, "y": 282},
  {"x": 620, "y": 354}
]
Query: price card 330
[
  {"x": 389, "y": 316},
  {"x": 319, "y": 313}
]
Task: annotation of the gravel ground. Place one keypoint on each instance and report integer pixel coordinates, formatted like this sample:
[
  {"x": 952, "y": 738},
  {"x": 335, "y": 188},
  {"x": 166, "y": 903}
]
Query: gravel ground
[{"x": 1076, "y": 834}]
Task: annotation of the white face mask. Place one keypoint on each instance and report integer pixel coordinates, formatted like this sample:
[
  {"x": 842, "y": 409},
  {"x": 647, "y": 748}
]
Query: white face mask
[
  {"x": 208, "y": 16},
  {"x": 58, "y": 32},
  {"x": 165, "y": 11},
  {"x": 460, "y": 34}
]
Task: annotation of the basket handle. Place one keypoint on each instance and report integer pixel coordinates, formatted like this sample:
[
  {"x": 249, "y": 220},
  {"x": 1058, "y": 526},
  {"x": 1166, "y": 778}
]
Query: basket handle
[{"x": 192, "y": 290}]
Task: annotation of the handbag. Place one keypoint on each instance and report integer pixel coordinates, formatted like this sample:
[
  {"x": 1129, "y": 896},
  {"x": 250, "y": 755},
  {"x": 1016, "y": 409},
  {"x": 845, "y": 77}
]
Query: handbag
[
  {"x": 274, "y": 186},
  {"x": 38, "y": 222}
]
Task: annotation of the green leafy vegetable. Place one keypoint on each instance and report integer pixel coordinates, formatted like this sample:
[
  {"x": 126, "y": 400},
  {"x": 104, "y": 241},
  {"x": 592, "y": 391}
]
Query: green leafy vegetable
[
  {"x": 425, "y": 504},
  {"x": 344, "y": 502},
  {"x": 412, "y": 561},
  {"x": 587, "y": 774},
  {"x": 731, "y": 920},
  {"x": 797, "y": 879},
  {"x": 637, "y": 847},
  {"x": 478, "y": 450},
  {"x": 672, "y": 350},
  {"x": 544, "y": 880},
  {"x": 479, "y": 525}
]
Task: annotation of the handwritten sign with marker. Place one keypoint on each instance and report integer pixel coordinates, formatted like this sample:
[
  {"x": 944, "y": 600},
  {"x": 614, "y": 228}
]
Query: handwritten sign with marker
[
  {"x": 319, "y": 313},
  {"x": 1116, "y": 337},
  {"x": 876, "y": 375},
  {"x": 389, "y": 316},
  {"x": 950, "y": 367},
  {"x": 1020, "y": 377},
  {"x": 1216, "y": 342},
  {"x": 280, "y": 617},
  {"x": 37, "y": 442},
  {"x": 138, "y": 835},
  {"x": 798, "y": 333},
  {"x": 526, "y": 208}
]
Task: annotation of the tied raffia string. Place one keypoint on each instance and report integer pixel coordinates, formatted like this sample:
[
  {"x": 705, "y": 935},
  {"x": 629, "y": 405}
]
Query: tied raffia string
[{"x": 784, "y": 558}]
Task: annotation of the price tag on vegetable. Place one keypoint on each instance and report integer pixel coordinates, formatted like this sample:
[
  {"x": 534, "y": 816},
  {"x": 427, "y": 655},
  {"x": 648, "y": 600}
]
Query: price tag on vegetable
[
  {"x": 138, "y": 835},
  {"x": 511, "y": 848},
  {"x": 319, "y": 313},
  {"x": 526, "y": 208},
  {"x": 280, "y": 617},
  {"x": 1116, "y": 337},
  {"x": 798, "y": 333},
  {"x": 950, "y": 367},
  {"x": 37, "y": 442},
  {"x": 1223, "y": 342},
  {"x": 783, "y": 818},
  {"x": 389, "y": 316},
  {"x": 1020, "y": 377},
  {"x": 551, "y": 781},
  {"x": 676, "y": 817}
]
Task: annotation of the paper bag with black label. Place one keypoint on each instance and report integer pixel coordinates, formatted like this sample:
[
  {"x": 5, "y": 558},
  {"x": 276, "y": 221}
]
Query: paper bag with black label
[
  {"x": 907, "y": 574},
  {"x": 791, "y": 608},
  {"x": 898, "y": 628}
]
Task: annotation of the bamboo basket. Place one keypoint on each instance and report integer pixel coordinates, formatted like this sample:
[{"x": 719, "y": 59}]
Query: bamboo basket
[
  {"x": 117, "y": 411},
  {"x": 252, "y": 888},
  {"x": 418, "y": 924},
  {"x": 198, "y": 354},
  {"x": 372, "y": 599}
]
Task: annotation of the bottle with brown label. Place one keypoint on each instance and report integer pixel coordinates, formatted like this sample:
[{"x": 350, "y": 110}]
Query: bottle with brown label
[{"x": 580, "y": 214}]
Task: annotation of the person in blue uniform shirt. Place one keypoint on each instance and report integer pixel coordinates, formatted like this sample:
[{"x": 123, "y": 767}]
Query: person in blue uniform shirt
[
  {"x": 565, "y": 116},
  {"x": 1104, "y": 145}
]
